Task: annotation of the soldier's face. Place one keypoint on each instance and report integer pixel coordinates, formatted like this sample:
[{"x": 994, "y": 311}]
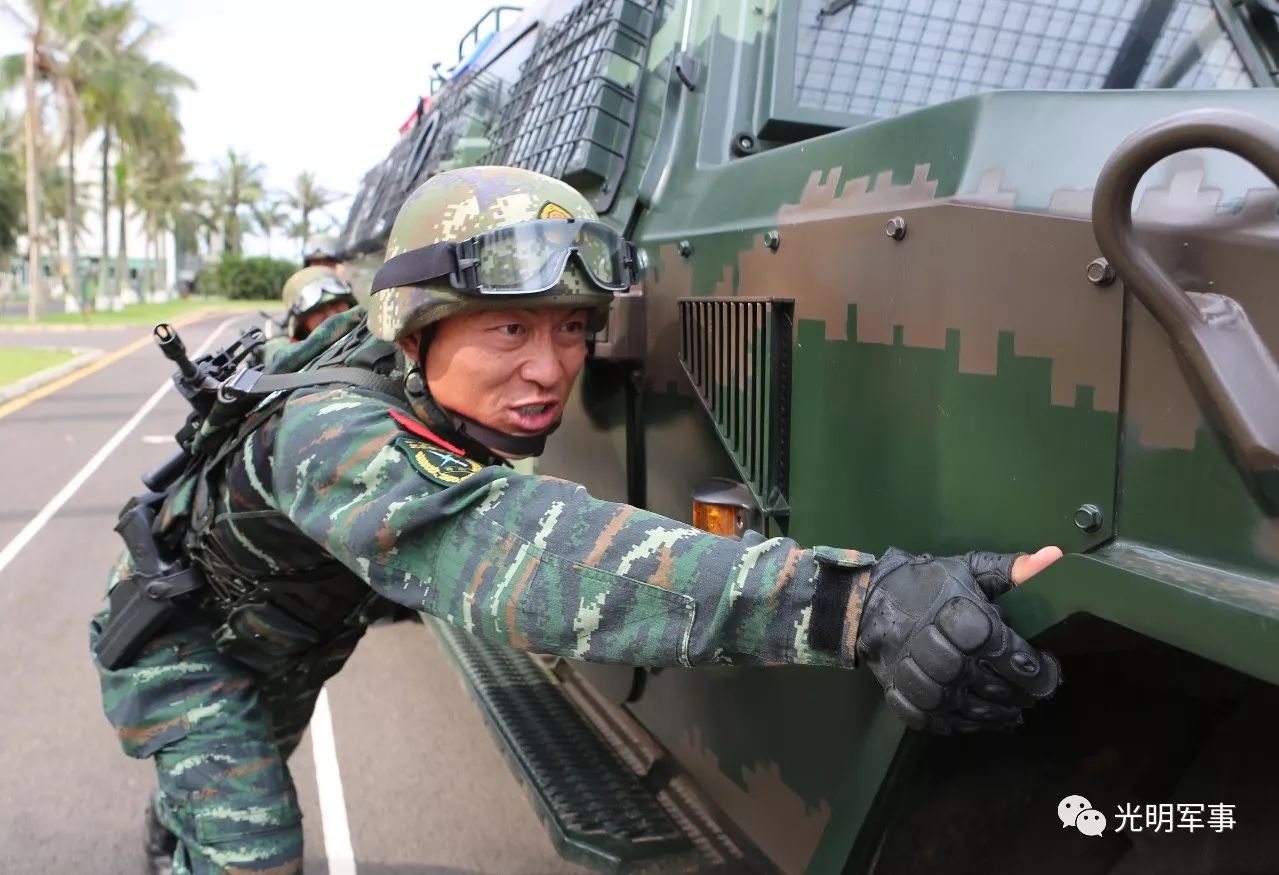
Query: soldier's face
[
  {"x": 308, "y": 322},
  {"x": 511, "y": 370}
]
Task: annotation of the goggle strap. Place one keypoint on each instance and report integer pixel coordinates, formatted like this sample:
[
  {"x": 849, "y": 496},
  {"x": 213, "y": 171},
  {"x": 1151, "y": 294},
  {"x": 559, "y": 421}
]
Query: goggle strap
[{"x": 418, "y": 266}]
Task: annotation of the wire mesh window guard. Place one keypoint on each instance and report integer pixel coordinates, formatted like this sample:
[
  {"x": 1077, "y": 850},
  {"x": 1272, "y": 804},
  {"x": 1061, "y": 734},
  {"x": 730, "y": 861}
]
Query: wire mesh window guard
[
  {"x": 884, "y": 57},
  {"x": 571, "y": 113}
]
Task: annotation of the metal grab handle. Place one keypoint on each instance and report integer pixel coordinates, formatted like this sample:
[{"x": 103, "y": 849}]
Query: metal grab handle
[{"x": 1221, "y": 350}]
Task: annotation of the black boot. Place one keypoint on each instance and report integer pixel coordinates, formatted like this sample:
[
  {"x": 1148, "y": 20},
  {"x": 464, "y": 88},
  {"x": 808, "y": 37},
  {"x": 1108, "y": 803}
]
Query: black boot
[{"x": 160, "y": 844}]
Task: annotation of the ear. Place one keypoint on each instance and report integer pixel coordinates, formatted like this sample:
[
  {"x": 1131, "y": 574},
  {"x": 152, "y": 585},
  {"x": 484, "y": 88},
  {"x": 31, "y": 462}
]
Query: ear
[{"x": 411, "y": 345}]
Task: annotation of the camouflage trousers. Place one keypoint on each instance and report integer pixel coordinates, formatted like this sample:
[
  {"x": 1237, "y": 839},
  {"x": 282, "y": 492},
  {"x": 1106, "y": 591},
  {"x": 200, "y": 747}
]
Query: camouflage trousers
[{"x": 220, "y": 734}]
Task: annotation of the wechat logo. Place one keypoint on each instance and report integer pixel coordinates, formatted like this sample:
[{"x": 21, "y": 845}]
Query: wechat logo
[{"x": 1078, "y": 812}]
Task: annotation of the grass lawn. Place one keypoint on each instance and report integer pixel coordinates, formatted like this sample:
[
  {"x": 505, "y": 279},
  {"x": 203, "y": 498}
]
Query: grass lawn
[
  {"x": 16, "y": 362},
  {"x": 145, "y": 314}
]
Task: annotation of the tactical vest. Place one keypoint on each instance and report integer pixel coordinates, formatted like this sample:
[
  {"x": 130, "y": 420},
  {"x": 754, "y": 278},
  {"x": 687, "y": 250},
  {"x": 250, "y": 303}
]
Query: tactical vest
[{"x": 282, "y": 603}]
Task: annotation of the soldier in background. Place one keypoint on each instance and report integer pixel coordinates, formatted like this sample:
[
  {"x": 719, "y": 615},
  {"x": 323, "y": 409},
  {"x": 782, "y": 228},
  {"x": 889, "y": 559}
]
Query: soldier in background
[
  {"x": 310, "y": 296},
  {"x": 321, "y": 250},
  {"x": 329, "y": 500}
]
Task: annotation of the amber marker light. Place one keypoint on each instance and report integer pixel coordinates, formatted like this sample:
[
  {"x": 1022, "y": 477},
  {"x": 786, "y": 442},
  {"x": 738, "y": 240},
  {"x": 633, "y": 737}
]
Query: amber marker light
[
  {"x": 724, "y": 507},
  {"x": 718, "y": 519}
]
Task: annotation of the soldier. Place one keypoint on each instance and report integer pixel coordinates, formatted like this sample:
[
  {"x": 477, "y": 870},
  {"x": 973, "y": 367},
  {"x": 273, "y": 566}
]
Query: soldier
[
  {"x": 322, "y": 251},
  {"x": 328, "y": 499},
  {"x": 310, "y": 296}
]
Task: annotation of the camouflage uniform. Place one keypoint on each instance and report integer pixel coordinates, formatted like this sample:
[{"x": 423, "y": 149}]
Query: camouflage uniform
[{"x": 406, "y": 510}]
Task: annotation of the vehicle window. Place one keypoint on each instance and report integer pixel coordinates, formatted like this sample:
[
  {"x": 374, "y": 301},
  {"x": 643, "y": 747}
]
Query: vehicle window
[{"x": 884, "y": 57}]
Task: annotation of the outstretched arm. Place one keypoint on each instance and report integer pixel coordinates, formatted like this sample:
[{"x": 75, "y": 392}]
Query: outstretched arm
[
  {"x": 540, "y": 565},
  {"x": 537, "y": 563}
]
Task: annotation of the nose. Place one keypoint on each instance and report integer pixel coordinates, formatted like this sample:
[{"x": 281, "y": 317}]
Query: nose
[{"x": 541, "y": 365}]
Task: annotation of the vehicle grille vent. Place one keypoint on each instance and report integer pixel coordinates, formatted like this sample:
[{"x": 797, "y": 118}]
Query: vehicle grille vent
[
  {"x": 572, "y": 111},
  {"x": 737, "y": 354}
]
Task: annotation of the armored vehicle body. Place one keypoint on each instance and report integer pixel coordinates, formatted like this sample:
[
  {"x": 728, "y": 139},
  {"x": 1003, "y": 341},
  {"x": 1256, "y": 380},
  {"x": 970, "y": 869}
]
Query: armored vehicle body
[{"x": 933, "y": 275}]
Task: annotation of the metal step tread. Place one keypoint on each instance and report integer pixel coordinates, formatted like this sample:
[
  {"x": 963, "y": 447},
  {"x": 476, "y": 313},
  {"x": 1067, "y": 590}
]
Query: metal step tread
[{"x": 597, "y": 811}]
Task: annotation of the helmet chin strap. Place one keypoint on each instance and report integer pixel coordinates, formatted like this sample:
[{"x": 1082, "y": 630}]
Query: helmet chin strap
[{"x": 512, "y": 445}]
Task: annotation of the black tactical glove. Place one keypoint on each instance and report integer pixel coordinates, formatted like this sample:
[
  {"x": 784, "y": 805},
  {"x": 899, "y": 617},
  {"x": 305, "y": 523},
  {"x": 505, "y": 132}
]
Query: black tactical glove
[{"x": 946, "y": 659}]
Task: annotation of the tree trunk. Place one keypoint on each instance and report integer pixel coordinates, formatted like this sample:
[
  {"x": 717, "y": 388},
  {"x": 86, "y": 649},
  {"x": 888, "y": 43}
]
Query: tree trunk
[
  {"x": 122, "y": 257},
  {"x": 232, "y": 242},
  {"x": 153, "y": 255},
  {"x": 106, "y": 213},
  {"x": 157, "y": 276},
  {"x": 35, "y": 279},
  {"x": 73, "y": 216},
  {"x": 122, "y": 254}
]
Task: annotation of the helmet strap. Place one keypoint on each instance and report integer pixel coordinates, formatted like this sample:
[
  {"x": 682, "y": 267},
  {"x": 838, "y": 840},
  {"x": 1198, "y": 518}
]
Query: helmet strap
[{"x": 499, "y": 441}]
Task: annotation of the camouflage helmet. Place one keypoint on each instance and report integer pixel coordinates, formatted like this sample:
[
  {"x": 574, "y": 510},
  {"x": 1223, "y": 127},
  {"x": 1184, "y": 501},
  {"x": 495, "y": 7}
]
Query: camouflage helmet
[
  {"x": 319, "y": 246},
  {"x": 459, "y": 204},
  {"x": 327, "y": 286}
]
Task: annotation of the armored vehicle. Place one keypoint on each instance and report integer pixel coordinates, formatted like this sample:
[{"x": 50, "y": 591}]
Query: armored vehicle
[{"x": 935, "y": 274}]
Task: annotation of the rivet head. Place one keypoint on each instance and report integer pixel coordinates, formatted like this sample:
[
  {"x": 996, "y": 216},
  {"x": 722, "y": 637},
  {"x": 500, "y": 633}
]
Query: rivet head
[
  {"x": 772, "y": 240},
  {"x": 1100, "y": 273},
  {"x": 895, "y": 227},
  {"x": 684, "y": 247},
  {"x": 1089, "y": 518}
]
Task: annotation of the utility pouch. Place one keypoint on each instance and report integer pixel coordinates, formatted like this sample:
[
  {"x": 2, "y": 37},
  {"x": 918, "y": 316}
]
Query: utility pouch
[{"x": 141, "y": 604}]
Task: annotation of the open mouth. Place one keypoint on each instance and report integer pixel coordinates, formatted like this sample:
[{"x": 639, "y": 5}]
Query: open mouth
[{"x": 536, "y": 417}]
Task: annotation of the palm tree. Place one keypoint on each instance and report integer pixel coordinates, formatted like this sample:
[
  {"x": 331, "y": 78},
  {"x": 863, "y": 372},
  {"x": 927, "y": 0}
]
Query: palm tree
[
  {"x": 164, "y": 193},
  {"x": 269, "y": 215},
  {"x": 237, "y": 184},
  {"x": 11, "y": 195},
  {"x": 78, "y": 25},
  {"x": 64, "y": 214},
  {"x": 78, "y": 41},
  {"x": 308, "y": 197},
  {"x": 133, "y": 100},
  {"x": 36, "y": 27}
]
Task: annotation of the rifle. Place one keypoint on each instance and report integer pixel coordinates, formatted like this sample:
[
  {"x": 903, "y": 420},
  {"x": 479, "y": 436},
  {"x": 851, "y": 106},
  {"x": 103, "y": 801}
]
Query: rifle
[
  {"x": 198, "y": 382},
  {"x": 144, "y": 601}
]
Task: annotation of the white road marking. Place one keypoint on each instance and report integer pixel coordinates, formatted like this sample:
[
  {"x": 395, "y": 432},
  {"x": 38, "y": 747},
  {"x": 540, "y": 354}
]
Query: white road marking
[
  {"x": 337, "y": 832},
  {"x": 157, "y": 438},
  {"x": 31, "y": 529}
]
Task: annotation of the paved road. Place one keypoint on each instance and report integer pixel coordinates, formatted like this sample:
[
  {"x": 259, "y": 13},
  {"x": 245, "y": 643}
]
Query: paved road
[{"x": 425, "y": 789}]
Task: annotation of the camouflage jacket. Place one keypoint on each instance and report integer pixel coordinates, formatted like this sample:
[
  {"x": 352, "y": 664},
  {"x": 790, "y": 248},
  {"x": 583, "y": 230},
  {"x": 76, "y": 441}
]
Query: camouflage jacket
[{"x": 340, "y": 489}]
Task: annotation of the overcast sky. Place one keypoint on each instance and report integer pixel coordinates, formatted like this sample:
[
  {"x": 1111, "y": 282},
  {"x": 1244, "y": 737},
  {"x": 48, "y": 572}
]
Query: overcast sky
[{"x": 266, "y": 70}]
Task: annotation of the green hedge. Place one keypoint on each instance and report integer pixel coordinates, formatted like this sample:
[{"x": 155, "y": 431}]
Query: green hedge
[{"x": 236, "y": 277}]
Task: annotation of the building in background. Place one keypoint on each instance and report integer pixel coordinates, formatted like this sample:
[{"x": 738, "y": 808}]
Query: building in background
[{"x": 152, "y": 268}]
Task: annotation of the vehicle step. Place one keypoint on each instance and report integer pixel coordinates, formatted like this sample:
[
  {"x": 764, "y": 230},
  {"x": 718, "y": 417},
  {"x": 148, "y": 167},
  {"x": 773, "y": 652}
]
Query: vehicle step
[{"x": 597, "y": 811}]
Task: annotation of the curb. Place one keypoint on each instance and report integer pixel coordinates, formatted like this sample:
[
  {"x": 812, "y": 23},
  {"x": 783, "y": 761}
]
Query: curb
[{"x": 48, "y": 375}]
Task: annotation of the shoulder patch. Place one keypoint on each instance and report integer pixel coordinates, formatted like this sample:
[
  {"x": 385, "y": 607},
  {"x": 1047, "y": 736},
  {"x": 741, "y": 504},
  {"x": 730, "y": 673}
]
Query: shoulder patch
[
  {"x": 434, "y": 463},
  {"x": 552, "y": 210}
]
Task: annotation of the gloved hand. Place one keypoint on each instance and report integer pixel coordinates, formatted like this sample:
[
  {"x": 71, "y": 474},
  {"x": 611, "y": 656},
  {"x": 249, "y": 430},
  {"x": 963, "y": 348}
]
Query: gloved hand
[{"x": 946, "y": 659}]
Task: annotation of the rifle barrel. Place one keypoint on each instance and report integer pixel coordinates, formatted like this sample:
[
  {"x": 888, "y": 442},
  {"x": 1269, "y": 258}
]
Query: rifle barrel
[{"x": 166, "y": 336}]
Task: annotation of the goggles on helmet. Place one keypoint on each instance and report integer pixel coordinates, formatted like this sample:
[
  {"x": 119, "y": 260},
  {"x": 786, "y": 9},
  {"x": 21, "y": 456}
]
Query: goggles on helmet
[
  {"x": 526, "y": 258},
  {"x": 311, "y": 294}
]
